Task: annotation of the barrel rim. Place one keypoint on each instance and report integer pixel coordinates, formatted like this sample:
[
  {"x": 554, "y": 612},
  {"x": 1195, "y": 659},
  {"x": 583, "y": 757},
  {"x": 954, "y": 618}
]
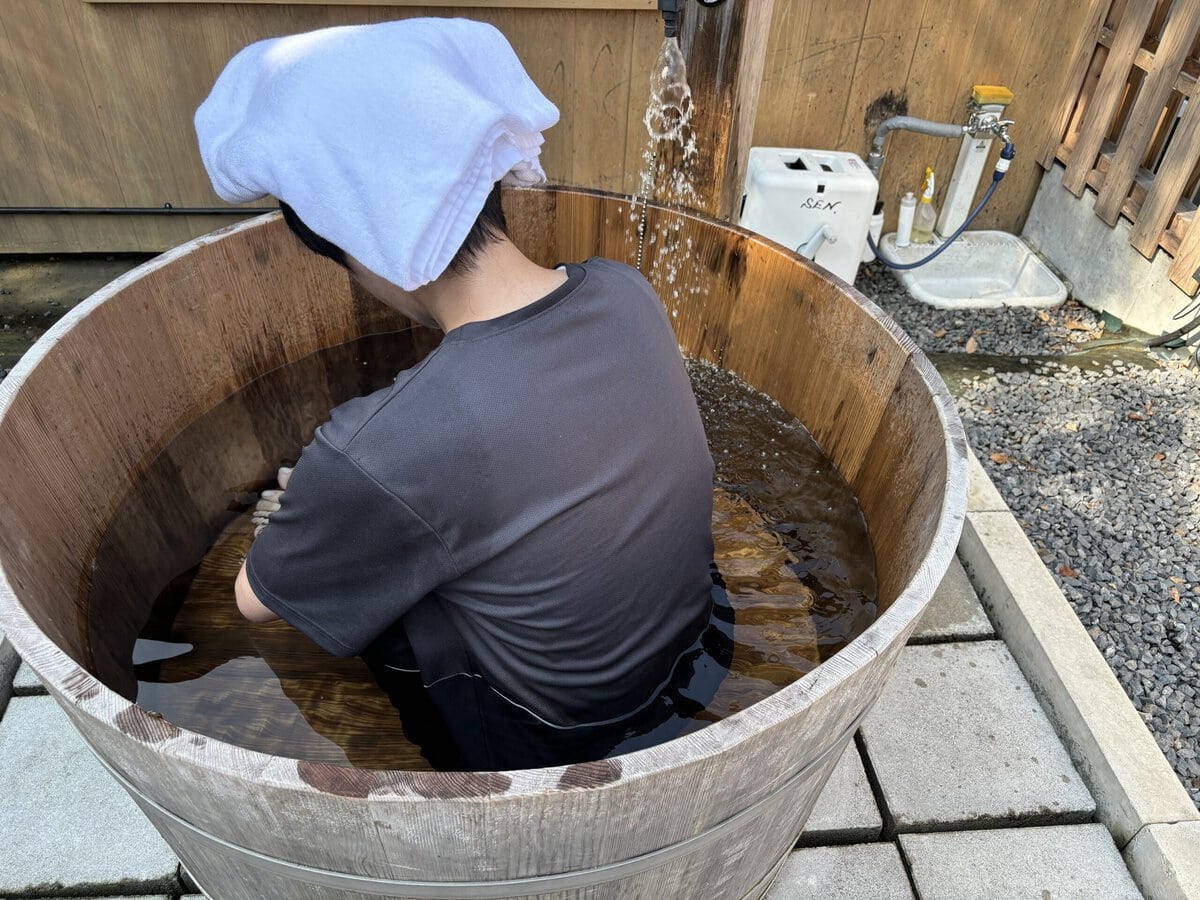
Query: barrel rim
[{"x": 74, "y": 686}]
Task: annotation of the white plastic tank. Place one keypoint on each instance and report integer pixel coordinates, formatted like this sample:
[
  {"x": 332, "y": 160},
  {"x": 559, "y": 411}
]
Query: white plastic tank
[{"x": 817, "y": 202}]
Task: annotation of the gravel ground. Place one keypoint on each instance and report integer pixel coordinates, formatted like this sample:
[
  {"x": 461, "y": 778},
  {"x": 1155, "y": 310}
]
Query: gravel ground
[{"x": 1099, "y": 459}]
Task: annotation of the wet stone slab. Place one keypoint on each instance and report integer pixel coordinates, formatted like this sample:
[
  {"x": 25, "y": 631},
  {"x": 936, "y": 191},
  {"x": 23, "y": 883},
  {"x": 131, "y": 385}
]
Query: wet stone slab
[
  {"x": 958, "y": 740},
  {"x": 954, "y": 613},
  {"x": 1071, "y": 862},
  {"x": 843, "y": 873},
  {"x": 845, "y": 812},
  {"x": 74, "y": 830}
]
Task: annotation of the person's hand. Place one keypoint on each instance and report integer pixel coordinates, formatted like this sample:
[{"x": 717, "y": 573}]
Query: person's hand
[{"x": 268, "y": 501}]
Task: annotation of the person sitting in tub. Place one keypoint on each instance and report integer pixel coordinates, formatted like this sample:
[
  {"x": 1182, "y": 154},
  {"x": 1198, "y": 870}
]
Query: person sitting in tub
[{"x": 516, "y": 533}]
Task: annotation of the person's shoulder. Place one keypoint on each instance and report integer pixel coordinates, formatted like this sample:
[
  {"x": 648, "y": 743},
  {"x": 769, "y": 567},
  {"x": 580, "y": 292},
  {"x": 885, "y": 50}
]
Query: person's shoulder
[
  {"x": 612, "y": 268},
  {"x": 348, "y": 421},
  {"x": 609, "y": 273}
]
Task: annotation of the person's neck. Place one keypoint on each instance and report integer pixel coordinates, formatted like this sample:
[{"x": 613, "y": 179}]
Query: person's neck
[{"x": 501, "y": 280}]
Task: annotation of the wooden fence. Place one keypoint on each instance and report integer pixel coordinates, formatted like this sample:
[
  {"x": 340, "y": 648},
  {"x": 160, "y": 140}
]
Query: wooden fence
[{"x": 1131, "y": 132}]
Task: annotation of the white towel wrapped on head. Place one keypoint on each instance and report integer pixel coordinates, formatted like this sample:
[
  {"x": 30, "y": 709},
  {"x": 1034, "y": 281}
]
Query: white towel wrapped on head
[{"x": 386, "y": 139}]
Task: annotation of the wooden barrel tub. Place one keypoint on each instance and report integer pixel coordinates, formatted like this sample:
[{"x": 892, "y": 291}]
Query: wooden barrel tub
[{"x": 712, "y": 814}]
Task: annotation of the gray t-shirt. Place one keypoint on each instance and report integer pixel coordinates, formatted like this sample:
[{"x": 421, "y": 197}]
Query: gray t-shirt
[{"x": 533, "y": 500}]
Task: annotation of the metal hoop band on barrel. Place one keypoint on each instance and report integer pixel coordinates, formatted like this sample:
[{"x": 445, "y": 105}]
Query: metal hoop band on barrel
[{"x": 481, "y": 890}]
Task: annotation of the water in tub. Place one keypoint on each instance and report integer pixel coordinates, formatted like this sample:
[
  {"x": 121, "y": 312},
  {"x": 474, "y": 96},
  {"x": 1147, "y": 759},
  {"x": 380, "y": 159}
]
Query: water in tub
[{"x": 791, "y": 546}]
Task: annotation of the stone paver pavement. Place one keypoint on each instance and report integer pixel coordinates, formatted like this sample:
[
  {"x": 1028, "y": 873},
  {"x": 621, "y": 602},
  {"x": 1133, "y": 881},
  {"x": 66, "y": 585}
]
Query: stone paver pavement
[
  {"x": 854, "y": 872},
  {"x": 25, "y": 683},
  {"x": 845, "y": 812},
  {"x": 1004, "y": 765},
  {"x": 73, "y": 829},
  {"x": 956, "y": 741},
  {"x": 1068, "y": 862},
  {"x": 954, "y": 613}
]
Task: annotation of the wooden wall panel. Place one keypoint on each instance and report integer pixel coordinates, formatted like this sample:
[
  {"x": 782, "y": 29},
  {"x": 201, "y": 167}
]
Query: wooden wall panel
[
  {"x": 97, "y": 102},
  {"x": 96, "y": 99},
  {"x": 835, "y": 69}
]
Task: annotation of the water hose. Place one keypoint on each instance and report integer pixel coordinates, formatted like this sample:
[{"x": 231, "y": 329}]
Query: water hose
[
  {"x": 1002, "y": 164},
  {"x": 1183, "y": 337},
  {"x": 1172, "y": 336}
]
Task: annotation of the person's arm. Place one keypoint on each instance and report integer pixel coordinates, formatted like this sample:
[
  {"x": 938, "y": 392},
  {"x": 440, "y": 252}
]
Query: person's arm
[
  {"x": 248, "y": 603},
  {"x": 343, "y": 557}
]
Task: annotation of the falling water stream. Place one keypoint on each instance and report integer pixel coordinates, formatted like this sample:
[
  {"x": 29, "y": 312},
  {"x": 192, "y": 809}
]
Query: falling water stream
[
  {"x": 668, "y": 169},
  {"x": 670, "y": 108}
]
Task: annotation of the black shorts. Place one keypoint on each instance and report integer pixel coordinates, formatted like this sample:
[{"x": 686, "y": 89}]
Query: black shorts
[{"x": 462, "y": 723}]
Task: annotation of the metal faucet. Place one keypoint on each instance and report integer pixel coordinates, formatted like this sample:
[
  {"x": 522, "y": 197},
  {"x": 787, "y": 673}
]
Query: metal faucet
[{"x": 986, "y": 120}]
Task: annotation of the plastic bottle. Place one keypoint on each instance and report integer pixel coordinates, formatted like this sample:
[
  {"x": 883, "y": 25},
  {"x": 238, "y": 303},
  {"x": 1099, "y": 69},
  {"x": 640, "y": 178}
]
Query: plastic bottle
[
  {"x": 925, "y": 217},
  {"x": 904, "y": 224}
]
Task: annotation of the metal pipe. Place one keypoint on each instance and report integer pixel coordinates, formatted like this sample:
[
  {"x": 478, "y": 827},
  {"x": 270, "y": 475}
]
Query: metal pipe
[
  {"x": 908, "y": 123},
  {"x": 165, "y": 210}
]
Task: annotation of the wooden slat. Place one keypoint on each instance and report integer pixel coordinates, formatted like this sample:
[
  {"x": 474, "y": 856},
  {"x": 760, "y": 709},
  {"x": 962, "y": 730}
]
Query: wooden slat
[
  {"x": 1187, "y": 260},
  {"x": 939, "y": 85},
  {"x": 809, "y": 72},
  {"x": 1114, "y": 14},
  {"x": 1172, "y": 50},
  {"x": 1108, "y": 94},
  {"x": 1080, "y": 60},
  {"x": 1144, "y": 59},
  {"x": 1181, "y": 222},
  {"x": 1163, "y": 130},
  {"x": 1193, "y": 183},
  {"x": 1090, "y": 81},
  {"x": 645, "y": 39},
  {"x": 1169, "y": 184},
  {"x": 597, "y": 56},
  {"x": 1125, "y": 108}
]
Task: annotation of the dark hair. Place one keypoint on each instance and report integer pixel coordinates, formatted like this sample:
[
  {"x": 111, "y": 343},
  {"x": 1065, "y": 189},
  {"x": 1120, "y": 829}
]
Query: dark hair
[
  {"x": 310, "y": 238},
  {"x": 489, "y": 226}
]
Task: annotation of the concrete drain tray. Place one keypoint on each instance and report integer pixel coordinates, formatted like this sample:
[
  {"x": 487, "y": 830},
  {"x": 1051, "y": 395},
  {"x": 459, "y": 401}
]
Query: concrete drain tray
[{"x": 982, "y": 269}]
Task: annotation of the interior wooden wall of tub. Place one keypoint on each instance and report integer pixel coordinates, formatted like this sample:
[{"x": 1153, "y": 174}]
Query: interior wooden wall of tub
[{"x": 99, "y": 114}]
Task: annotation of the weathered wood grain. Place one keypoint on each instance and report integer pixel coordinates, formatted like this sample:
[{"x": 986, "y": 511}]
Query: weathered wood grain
[
  {"x": 725, "y": 49},
  {"x": 1107, "y": 97},
  {"x": 1064, "y": 104},
  {"x": 101, "y": 94},
  {"x": 1146, "y": 115},
  {"x": 709, "y": 814},
  {"x": 515, "y": 4}
]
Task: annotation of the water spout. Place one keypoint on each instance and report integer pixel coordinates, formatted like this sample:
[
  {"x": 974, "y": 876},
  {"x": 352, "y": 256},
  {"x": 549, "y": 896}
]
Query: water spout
[
  {"x": 670, "y": 106},
  {"x": 670, "y": 14}
]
